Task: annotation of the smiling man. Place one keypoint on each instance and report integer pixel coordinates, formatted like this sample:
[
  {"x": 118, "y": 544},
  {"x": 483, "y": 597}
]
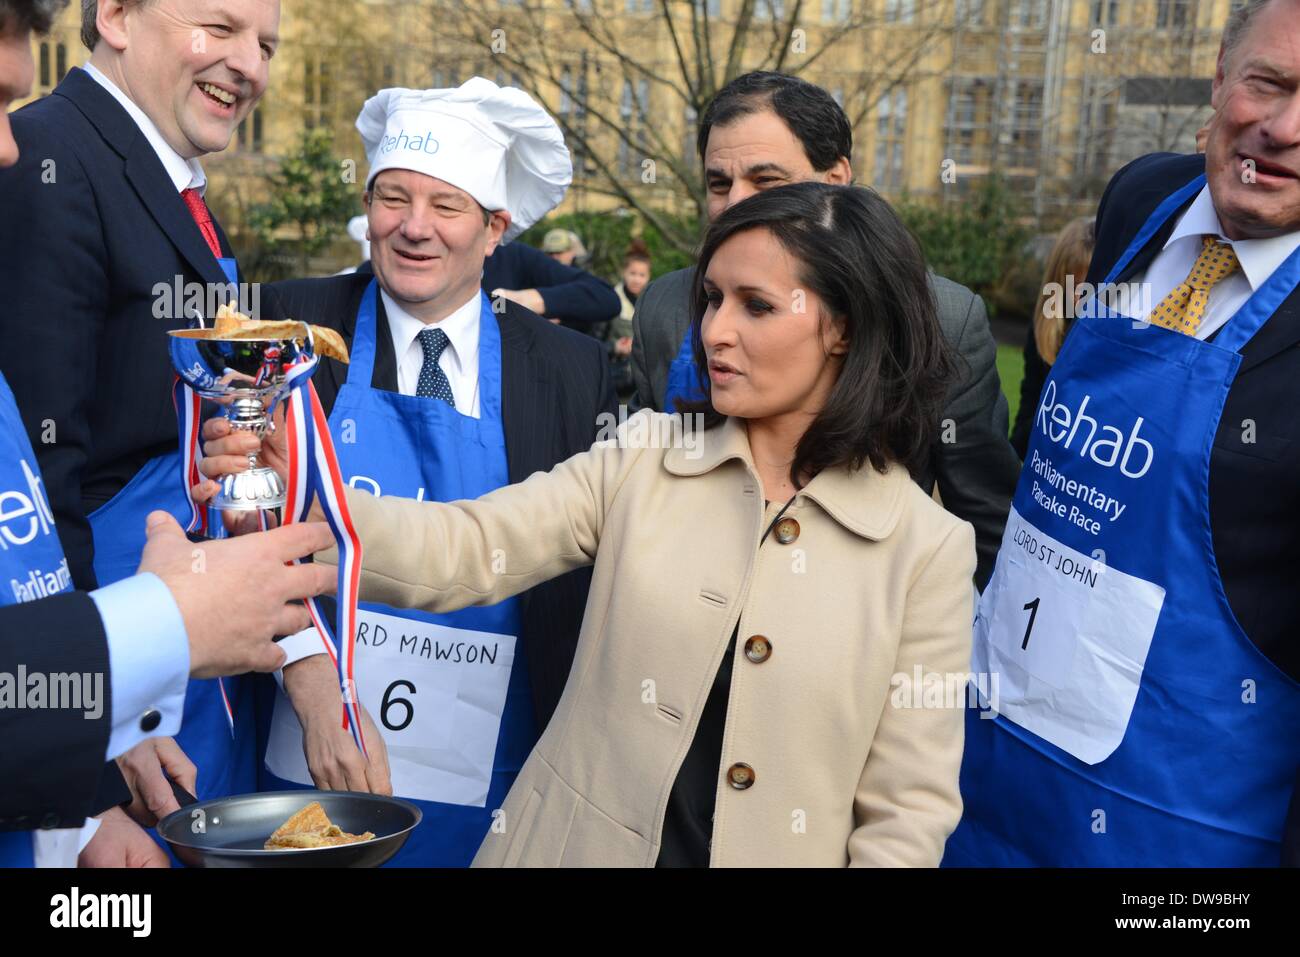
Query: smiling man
[
  {"x": 105, "y": 206},
  {"x": 447, "y": 396},
  {"x": 1163, "y": 732}
]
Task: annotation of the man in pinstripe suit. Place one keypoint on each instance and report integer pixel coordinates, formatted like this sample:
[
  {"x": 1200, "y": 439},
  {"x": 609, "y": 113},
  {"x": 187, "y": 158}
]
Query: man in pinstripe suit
[{"x": 447, "y": 395}]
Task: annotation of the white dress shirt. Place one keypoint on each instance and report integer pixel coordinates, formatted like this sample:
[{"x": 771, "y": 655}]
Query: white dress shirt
[
  {"x": 1172, "y": 265},
  {"x": 184, "y": 173},
  {"x": 459, "y": 361}
]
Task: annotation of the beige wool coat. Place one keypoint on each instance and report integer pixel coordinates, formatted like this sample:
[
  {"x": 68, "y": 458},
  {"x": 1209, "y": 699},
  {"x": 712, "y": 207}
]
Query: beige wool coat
[{"x": 871, "y": 580}]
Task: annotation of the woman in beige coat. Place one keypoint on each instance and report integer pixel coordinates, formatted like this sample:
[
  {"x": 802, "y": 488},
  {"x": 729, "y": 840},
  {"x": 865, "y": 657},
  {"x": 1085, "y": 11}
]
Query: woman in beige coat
[{"x": 765, "y": 592}]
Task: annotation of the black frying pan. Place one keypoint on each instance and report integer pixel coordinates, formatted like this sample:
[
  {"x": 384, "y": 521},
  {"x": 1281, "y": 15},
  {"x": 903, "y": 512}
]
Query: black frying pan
[{"x": 230, "y": 831}]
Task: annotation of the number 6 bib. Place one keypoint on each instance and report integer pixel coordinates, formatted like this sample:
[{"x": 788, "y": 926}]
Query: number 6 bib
[{"x": 1064, "y": 639}]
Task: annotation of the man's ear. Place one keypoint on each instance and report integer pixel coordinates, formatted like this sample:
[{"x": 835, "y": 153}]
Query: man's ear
[
  {"x": 110, "y": 21},
  {"x": 840, "y": 173},
  {"x": 498, "y": 223}
]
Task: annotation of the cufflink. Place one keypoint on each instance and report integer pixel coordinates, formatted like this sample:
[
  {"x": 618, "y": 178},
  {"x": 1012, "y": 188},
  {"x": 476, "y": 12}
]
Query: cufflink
[{"x": 150, "y": 720}]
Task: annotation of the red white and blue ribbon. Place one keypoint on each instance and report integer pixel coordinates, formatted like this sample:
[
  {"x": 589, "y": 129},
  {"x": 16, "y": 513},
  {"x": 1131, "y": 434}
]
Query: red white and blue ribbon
[
  {"x": 314, "y": 468},
  {"x": 189, "y": 420},
  {"x": 313, "y": 472}
]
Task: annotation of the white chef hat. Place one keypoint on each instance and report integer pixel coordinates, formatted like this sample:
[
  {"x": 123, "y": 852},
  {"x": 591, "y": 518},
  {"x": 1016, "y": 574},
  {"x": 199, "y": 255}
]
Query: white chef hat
[{"x": 496, "y": 143}]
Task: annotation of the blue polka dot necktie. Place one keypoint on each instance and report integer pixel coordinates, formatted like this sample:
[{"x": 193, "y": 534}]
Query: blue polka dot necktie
[
  {"x": 433, "y": 381},
  {"x": 1183, "y": 309}
]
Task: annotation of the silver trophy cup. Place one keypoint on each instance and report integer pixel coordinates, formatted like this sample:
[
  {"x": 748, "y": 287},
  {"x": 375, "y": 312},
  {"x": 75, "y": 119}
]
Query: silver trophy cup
[{"x": 246, "y": 377}]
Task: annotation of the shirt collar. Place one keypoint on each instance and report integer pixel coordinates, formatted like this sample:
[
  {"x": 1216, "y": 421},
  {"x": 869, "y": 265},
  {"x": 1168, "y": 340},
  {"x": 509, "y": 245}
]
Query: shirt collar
[
  {"x": 184, "y": 173},
  {"x": 1258, "y": 257},
  {"x": 461, "y": 328}
]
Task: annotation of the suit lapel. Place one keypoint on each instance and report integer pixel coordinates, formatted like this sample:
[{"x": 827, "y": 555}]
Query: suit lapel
[
  {"x": 1280, "y": 332},
  {"x": 525, "y": 412},
  {"x": 385, "y": 374},
  {"x": 144, "y": 171}
]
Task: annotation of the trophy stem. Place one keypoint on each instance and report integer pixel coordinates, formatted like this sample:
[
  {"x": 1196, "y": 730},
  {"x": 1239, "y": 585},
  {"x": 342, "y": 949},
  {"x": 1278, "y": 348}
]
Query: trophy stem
[{"x": 259, "y": 487}]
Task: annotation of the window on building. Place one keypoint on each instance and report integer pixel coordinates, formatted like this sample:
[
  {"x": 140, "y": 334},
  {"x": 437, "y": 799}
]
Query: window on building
[
  {"x": 632, "y": 109},
  {"x": 573, "y": 116},
  {"x": 318, "y": 90},
  {"x": 836, "y": 11},
  {"x": 45, "y": 66},
  {"x": 769, "y": 10},
  {"x": 640, "y": 6},
  {"x": 1028, "y": 14},
  {"x": 900, "y": 11},
  {"x": 1104, "y": 13},
  {"x": 891, "y": 122},
  {"x": 1175, "y": 14},
  {"x": 1026, "y": 125},
  {"x": 61, "y": 62},
  {"x": 969, "y": 13},
  {"x": 969, "y": 114}
]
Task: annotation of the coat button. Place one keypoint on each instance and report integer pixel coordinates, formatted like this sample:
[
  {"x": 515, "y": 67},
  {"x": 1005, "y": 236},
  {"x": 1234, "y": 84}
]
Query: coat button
[
  {"x": 758, "y": 649},
  {"x": 787, "y": 530},
  {"x": 50, "y": 821},
  {"x": 150, "y": 720},
  {"x": 741, "y": 776}
]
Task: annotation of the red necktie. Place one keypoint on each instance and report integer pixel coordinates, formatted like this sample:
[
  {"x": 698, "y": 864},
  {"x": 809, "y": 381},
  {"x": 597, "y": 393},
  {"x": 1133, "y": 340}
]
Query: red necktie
[{"x": 202, "y": 218}]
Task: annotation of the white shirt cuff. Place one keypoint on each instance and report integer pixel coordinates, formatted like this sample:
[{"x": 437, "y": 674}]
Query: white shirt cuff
[
  {"x": 296, "y": 647},
  {"x": 148, "y": 658}
]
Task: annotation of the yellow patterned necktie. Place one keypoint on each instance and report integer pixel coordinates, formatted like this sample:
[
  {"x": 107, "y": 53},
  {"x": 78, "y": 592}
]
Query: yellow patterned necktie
[{"x": 1184, "y": 308}]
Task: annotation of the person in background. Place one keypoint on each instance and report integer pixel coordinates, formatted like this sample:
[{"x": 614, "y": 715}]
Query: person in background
[
  {"x": 562, "y": 293},
  {"x": 1066, "y": 269},
  {"x": 766, "y": 129},
  {"x": 618, "y": 337},
  {"x": 565, "y": 247}
]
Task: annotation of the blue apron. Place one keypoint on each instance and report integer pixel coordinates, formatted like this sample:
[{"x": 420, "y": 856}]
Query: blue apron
[
  {"x": 684, "y": 383},
  {"x": 428, "y": 680},
  {"x": 1137, "y": 724},
  {"x": 29, "y": 544},
  {"x": 226, "y": 761}
]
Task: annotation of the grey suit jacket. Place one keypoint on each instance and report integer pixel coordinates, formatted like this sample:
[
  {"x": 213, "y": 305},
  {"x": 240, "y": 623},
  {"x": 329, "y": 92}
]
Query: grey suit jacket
[{"x": 976, "y": 468}]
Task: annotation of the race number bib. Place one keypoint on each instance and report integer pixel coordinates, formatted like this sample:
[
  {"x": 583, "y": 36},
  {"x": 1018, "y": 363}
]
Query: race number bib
[
  {"x": 1067, "y": 638},
  {"x": 437, "y": 695}
]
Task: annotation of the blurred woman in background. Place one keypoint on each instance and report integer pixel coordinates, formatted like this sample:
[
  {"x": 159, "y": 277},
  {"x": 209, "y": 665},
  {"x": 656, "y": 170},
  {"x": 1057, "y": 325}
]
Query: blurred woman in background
[
  {"x": 1067, "y": 268},
  {"x": 635, "y": 277}
]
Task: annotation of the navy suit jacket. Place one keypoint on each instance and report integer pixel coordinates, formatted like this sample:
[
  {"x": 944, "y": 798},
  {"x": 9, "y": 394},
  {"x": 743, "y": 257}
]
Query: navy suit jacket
[
  {"x": 1254, "y": 486},
  {"x": 52, "y": 759},
  {"x": 554, "y": 384},
  {"x": 92, "y": 226}
]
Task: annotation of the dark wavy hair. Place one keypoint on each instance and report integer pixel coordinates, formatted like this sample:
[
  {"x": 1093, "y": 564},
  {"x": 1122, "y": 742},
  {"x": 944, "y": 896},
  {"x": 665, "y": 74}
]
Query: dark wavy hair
[
  {"x": 809, "y": 111},
  {"x": 869, "y": 272}
]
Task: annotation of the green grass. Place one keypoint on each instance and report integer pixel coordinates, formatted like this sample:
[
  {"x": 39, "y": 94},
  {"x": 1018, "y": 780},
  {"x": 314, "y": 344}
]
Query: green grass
[{"x": 1011, "y": 369}]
